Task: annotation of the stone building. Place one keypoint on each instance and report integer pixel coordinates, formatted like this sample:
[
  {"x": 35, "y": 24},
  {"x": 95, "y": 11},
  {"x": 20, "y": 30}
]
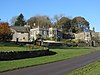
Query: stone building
[
  {"x": 87, "y": 36},
  {"x": 83, "y": 36},
  {"x": 35, "y": 31},
  {"x": 20, "y": 34},
  {"x": 26, "y": 34}
]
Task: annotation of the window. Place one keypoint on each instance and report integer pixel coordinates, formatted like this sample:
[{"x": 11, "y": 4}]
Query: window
[
  {"x": 87, "y": 35},
  {"x": 23, "y": 38},
  {"x": 22, "y": 32}
]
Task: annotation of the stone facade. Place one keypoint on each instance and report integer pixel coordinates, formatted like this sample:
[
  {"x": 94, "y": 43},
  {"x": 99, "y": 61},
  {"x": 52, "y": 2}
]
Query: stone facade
[
  {"x": 87, "y": 36},
  {"x": 23, "y": 34},
  {"x": 20, "y": 34},
  {"x": 83, "y": 36},
  {"x": 35, "y": 31},
  {"x": 97, "y": 34}
]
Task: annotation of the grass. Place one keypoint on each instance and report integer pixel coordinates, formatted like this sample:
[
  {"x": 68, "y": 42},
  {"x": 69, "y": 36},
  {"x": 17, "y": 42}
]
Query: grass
[
  {"x": 6, "y": 49},
  {"x": 20, "y": 48},
  {"x": 11, "y": 46},
  {"x": 91, "y": 69},
  {"x": 63, "y": 53}
]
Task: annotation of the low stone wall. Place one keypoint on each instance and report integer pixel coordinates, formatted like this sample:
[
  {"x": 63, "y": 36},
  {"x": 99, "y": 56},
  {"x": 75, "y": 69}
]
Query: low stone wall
[{"x": 13, "y": 55}]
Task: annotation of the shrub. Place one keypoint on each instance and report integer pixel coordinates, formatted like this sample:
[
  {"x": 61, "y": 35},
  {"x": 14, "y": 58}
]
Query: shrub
[
  {"x": 70, "y": 43},
  {"x": 81, "y": 41},
  {"x": 32, "y": 47}
]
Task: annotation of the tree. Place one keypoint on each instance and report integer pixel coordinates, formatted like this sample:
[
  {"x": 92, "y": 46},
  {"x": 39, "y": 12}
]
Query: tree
[
  {"x": 5, "y": 32},
  {"x": 56, "y": 18},
  {"x": 20, "y": 20},
  {"x": 80, "y": 24},
  {"x": 65, "y": 22},
  {"x": 42, "y": 21}
]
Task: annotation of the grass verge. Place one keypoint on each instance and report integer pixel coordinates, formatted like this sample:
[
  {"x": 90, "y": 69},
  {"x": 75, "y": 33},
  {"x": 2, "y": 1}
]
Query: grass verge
[{"x": 91, "y": 69}]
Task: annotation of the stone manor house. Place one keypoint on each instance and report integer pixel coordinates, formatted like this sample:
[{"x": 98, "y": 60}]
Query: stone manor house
[{"x": 27, "y": 34}]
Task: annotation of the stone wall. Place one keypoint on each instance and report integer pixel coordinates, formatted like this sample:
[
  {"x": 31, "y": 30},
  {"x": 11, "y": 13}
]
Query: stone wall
[
  {"x": 13, "y": 55},
  {"x": 79, "y": 36}
]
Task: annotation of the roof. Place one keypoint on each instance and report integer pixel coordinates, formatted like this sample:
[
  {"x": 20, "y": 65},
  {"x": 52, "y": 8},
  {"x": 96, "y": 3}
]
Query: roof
[{"x": 20, "y": 29}]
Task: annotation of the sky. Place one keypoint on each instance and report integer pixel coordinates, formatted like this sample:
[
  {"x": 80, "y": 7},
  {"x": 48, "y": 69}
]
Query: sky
[{"x": 89, "y": 9}]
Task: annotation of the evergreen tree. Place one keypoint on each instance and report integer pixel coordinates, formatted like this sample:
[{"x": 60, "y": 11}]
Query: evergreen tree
[{"x": 20, "y": 20}]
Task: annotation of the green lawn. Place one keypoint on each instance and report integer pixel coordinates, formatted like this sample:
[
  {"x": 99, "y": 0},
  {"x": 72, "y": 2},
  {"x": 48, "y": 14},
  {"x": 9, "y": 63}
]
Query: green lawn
[
  {"x": 91, "y": 69},
  {"x": 5, "y": 49},
  {"x": 61, "y": 55},
  {"x": 20, "y": 48}
]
